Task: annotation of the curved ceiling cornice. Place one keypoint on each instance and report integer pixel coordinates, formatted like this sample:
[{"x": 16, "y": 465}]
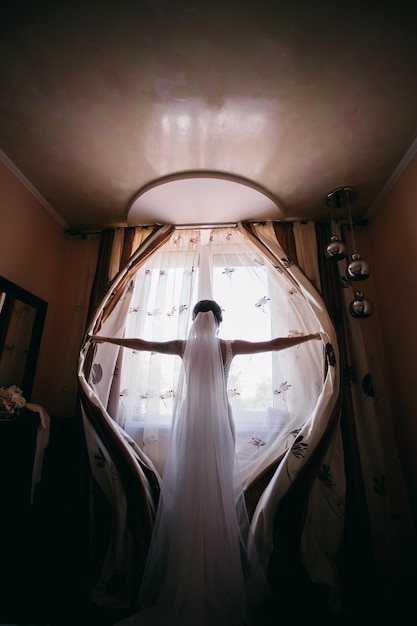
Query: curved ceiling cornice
[{"x": 185, "y": 198}]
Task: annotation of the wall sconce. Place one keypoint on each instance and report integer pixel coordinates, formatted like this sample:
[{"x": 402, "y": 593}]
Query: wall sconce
[{"x": 357, "y": 269}]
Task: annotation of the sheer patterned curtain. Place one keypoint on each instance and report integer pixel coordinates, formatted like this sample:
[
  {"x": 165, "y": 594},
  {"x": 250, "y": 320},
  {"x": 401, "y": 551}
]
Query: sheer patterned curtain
[
  {"x": 284, "y": 404},
  {"x": 270, "y": 394},
  {"x": 311, "y": 474},
  {"x": 161, "y": 297}
]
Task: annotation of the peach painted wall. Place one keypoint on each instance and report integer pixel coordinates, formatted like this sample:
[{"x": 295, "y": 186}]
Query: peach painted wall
[
  {"x": 392, "y": 239},
  {"x": 38, "y": 255}
]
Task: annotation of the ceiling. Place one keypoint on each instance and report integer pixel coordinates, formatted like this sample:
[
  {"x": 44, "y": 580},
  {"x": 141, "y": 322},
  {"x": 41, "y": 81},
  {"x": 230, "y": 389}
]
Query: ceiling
[{"x": 101, "y": 100}]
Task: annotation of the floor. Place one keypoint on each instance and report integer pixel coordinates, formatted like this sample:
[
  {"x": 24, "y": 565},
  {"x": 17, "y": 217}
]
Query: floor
[
  {"x": 41, "y": 571},
  {"x": 42, "y": 581}
]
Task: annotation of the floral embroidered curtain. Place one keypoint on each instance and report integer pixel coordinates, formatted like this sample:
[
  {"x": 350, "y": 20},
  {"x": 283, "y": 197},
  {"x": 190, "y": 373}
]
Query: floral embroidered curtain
[
  {"x": 268, "y": 393},
  {"x": 296, "y": 451},
  {"x": 294, "y": 410}
]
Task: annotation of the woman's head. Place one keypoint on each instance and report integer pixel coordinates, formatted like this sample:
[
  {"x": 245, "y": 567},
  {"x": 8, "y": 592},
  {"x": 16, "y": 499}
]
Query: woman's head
[{"x": 208, "y": 305}]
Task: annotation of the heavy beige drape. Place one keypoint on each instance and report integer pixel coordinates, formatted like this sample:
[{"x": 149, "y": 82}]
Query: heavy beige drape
[
  {"x": 379, "y": 536},
  {"x": 121, "y": 510}
]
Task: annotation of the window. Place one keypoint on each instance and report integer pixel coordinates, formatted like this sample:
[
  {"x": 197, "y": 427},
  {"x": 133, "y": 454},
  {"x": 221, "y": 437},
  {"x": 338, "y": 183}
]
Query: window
[{"x": 257, "y": 301}]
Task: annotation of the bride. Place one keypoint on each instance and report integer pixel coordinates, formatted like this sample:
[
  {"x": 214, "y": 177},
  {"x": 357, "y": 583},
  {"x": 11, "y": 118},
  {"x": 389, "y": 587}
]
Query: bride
[{"x": 202, "y": 568}]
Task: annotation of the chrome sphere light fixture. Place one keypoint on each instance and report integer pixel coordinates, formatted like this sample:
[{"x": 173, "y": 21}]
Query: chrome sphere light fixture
[
  {"x": 336, "y": 249},
  {"x": 361, "y": 306},
  {"x": 357, "y": 269}
]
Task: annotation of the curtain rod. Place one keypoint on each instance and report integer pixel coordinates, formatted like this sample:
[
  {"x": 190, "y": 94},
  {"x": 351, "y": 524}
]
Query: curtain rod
[
  {"x": 205, "y": 226},
  {"x": 84, "y": 233}
]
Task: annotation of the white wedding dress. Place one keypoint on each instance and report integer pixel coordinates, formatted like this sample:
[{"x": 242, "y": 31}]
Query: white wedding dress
[{"x": 202, "y": 568}]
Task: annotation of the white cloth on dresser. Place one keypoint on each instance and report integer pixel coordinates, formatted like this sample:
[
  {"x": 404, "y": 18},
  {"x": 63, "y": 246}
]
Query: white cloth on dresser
[{"x": 42, "y": 440}]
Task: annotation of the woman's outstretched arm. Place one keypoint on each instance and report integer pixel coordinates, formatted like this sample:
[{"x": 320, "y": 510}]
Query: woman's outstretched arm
[
  {"x": 165, "y": 347},
  {"x": 279, "y": 343}
]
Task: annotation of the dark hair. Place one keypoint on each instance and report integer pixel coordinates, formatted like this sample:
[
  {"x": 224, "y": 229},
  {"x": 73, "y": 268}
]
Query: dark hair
[{"x": 208, "y": 305}]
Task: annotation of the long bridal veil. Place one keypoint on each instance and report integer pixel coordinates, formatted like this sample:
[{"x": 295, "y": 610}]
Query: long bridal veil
[{"x": 201, "y": 566}]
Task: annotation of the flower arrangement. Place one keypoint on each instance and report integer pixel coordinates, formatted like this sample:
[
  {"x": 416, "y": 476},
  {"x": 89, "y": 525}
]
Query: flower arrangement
[{"x": 11, "y": 400}]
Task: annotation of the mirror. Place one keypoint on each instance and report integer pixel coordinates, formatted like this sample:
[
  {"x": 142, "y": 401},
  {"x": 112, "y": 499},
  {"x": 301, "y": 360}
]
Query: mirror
[{"x": 22, "y": 317}]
